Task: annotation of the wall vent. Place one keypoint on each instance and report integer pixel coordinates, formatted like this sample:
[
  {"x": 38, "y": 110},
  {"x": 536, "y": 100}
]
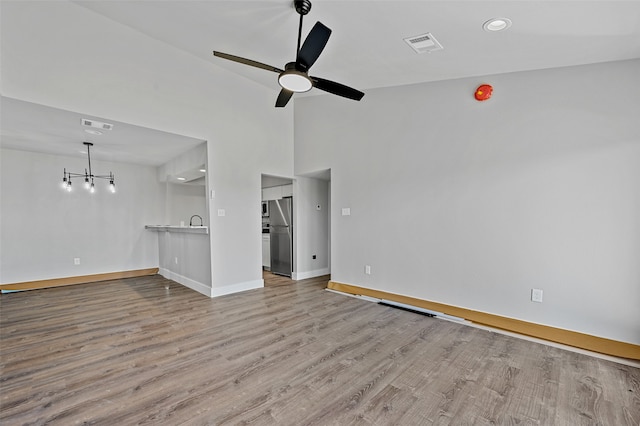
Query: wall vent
[
  {"x": 423, "y": 43},
  {"x": 96, "y": 124}
]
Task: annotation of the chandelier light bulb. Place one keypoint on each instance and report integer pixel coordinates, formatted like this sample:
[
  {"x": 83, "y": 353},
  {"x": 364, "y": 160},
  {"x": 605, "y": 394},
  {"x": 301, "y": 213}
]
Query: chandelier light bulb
[
  {"x": 112, "y": 187},
  {"x": 69, "y": 185},
  {"x": 92, "y": 188}
]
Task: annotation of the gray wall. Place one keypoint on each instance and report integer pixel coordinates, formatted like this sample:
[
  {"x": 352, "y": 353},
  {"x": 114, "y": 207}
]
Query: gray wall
[
  {"x": 474, "y": 204},
  {"x": 311, "y": 227},
  {"x": 185, "y": 258},
  {"x": 43, "y": 227}
]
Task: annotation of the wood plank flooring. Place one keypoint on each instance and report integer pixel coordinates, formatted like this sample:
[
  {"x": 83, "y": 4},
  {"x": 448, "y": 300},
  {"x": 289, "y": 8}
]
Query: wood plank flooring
[
  {"x": 271, "y": 279},
  {"x": 131, "y": 351}
]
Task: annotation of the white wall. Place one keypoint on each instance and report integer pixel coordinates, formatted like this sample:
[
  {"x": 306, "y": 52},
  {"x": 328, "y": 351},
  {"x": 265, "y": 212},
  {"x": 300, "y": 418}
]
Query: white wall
[
  {"x": 311, "y": 229},
  {"x": 43, "y": 227},
  {"x": 184, "y": 201},
  {"x": 474, "y": 204},
  {"x": 186, "y": 162},
  {"x": 142, "y": 81}
]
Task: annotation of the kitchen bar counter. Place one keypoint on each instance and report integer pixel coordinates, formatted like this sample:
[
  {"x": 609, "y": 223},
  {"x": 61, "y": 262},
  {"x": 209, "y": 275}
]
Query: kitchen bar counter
[
  {"x": 175, "y": 228},
  {"x": 184, "y": 255}
]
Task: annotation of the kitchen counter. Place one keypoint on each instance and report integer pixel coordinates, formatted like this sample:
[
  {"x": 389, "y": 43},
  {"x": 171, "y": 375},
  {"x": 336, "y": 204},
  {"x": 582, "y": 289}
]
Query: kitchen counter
[{"x": 175, "y": 228}]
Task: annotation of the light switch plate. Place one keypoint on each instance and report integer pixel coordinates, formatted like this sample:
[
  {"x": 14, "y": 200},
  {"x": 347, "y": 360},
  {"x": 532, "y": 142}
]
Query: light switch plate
[
  {"x": 346, "y": 211},
  {"x": 221, "y": 212}
]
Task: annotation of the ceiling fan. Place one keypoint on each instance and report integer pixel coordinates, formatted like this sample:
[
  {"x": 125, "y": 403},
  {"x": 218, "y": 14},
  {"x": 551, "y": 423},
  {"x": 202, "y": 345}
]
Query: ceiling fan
[{"x": 295, "y": 78}]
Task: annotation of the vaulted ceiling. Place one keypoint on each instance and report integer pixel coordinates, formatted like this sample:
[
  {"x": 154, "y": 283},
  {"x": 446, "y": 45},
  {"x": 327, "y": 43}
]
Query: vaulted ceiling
[{"x": 366, "y": 49}]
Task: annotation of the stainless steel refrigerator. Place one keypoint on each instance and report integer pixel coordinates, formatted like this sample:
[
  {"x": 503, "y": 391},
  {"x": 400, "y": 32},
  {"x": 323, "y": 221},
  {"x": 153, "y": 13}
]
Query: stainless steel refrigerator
[{"x": 281, "y": 231}]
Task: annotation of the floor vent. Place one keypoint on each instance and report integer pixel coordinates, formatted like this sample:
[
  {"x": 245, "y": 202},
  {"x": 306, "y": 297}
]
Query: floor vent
[
  {"x": 423, "y": 43},
  {"x": 406, "y": 309}
]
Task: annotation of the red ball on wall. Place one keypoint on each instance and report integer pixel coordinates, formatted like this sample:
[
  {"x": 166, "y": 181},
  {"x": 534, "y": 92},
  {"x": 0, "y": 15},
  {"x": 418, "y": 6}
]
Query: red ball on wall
[{"x": 483, "y": 92}]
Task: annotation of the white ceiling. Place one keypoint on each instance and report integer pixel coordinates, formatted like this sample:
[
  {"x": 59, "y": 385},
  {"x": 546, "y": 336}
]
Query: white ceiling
[
  {"x": 366, "y": 50},
  {"x": 31, "y": 127}
]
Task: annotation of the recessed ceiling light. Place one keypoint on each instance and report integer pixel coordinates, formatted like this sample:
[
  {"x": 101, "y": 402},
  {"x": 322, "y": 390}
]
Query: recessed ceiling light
[
  {"x": 181, "y": 178},
  {"x": 203, "y": 170},
  {"x": 93, "y": 132},
  {"x": 496, "y": 24}
]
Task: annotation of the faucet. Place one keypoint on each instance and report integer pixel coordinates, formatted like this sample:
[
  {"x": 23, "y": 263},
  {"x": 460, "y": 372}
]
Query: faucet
[{"x": 191, "y": 220}]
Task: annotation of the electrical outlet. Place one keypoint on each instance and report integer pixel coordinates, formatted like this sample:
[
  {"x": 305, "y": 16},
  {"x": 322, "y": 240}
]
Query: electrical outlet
[
  {"x": 76, "y": 260},
  {"x": 536, "y": 295},
  {"x": 367, "y": 269}
]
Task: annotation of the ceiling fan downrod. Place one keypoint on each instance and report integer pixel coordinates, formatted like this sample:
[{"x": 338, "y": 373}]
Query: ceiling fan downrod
[{"x": 302, "y": 7}]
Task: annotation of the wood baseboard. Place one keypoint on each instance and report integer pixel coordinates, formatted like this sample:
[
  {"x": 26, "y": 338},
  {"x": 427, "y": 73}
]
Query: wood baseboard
[
  {"x": 82, "y": 279},
  {"x": 558, "y": 335}
]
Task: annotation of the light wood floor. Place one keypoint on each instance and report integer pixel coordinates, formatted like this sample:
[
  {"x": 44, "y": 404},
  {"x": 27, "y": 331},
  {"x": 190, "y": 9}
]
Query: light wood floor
[
  {"x": 131, "y": 351},
  {"x": 271, "y": 279}
]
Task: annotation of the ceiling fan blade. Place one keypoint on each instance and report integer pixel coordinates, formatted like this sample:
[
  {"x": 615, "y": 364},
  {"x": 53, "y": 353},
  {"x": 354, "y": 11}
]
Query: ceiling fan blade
[
  {"x": 337, "y": 88},
  {"x": 283, "y": 98},
  {"x": 313, "y": 45},
  {"x": 246, "y": 61}
]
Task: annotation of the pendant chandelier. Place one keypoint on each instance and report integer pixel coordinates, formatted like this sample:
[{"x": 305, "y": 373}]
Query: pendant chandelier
[{"x": 87, "y": 175}]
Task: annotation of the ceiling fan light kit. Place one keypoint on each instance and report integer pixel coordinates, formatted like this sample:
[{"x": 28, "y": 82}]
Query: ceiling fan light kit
[{"x": 295, "y": 78}]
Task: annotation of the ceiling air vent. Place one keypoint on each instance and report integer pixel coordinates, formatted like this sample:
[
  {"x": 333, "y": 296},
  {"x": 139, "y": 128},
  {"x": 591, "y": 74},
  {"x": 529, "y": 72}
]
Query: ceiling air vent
[
  {"x": 96, "y": 124},
  {"x": 423, "y": 43}
]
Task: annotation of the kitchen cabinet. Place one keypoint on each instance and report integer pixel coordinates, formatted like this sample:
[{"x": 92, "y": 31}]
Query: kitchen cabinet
[
  {"x": 273, "y": 193},
  {"x": 266, "y": 251},
  {"x": 277, "y": 192}
]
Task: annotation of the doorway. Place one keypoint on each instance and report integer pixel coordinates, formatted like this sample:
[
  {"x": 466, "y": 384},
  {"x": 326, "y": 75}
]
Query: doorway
[{"x": 277, "y": 226}]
